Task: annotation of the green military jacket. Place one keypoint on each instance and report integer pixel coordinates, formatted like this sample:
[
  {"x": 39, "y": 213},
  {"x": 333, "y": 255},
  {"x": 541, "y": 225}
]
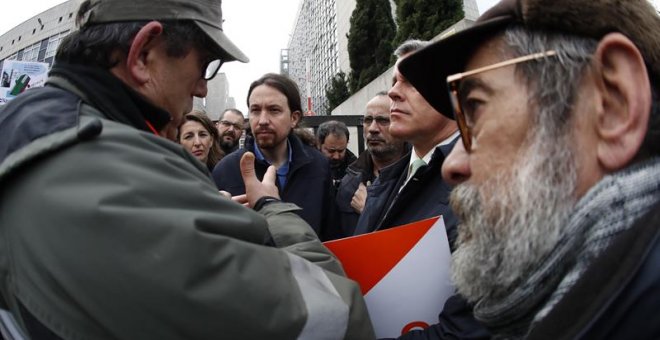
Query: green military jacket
[{"x": 123, "y": 235}]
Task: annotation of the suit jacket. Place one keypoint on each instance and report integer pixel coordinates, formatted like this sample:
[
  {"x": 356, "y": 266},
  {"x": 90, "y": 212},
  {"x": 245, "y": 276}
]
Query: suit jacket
[{"x": 425, "y": 195}]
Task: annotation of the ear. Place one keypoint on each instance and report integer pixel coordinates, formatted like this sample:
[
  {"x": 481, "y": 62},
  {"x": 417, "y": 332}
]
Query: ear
[
  {"x": 295, "y": 118},
  {"x": 137, "y": 60},
  {"x": 625, "y": 101}
]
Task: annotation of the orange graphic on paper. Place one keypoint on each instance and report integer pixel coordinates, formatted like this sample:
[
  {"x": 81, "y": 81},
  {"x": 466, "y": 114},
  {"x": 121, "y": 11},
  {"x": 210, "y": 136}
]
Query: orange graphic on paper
[{"x": 388, "y": 246}]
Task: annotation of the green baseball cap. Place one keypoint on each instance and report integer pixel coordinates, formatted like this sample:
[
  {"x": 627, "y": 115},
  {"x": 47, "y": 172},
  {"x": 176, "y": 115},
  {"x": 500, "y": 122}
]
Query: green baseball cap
[{"x": 207, "y": 14}]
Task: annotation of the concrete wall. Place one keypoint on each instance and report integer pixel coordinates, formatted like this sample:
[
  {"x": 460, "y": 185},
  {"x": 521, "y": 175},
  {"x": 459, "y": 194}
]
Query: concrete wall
[{"x": 355, "y": 104}]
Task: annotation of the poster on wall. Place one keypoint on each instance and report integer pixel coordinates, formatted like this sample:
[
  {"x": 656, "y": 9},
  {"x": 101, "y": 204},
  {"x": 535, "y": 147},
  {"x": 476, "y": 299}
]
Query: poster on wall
[{"x": 18, "y": 76}]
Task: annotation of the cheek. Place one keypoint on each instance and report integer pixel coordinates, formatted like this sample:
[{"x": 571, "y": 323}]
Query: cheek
[{"x": 187, "y": 145}]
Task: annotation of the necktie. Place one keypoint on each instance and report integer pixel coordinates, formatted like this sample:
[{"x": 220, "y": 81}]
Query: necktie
[{"x": 418, "y": 163}]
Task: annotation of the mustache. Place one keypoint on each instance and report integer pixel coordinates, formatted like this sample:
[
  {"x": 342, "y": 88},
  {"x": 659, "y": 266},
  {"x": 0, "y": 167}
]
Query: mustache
[
  {"x": 375, "y": 139},
  {"x": 227, "y": 133},
  {"x": 264, "y": 130}
]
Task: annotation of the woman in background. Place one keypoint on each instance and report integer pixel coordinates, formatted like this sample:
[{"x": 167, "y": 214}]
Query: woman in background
[{"x": 198, "y": 135}]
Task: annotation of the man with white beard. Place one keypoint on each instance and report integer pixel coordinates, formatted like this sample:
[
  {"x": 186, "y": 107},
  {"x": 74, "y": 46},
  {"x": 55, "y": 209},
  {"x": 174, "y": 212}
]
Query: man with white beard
[{"x": 558, "y": 169}]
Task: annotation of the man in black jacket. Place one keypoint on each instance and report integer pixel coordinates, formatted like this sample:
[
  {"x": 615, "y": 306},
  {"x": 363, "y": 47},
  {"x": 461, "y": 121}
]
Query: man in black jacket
[
  {"x": 401, "y": 195},
  {"x": 382, "y": 150},
  {"x": 404, "y": 193},
  {"x": 558, "y": 170},
  {"x": 303, "y": 173},
  {"x": 332, "y": 137}
]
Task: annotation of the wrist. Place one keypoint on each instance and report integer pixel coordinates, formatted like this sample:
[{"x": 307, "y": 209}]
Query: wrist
[{"x": 263, "y": 201}]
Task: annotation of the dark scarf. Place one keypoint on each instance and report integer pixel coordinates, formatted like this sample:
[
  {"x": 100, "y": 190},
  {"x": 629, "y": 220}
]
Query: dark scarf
[
  {"x": 609, "y": 208},
  {"x": 111, "y": 96}
]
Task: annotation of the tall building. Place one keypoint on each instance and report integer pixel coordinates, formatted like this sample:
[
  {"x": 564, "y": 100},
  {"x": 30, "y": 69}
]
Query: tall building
[
  {"x": 313, "y": 51},
  {"x": 38, "y": 38},
  {"x": 319, "y": 42}
]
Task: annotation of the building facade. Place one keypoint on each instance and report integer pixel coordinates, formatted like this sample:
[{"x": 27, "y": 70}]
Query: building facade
[
  {"x": 313, "y": 52},
  {"x": 318, "y": 48},
  {"x": 38, "y": 38}
]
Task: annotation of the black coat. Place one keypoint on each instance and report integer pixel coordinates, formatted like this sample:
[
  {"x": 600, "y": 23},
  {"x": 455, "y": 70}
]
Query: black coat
[
  {"x": 308, "y": 181},
  {"x": 426, "y": 195},
  {"x": 360, "y": 171}
]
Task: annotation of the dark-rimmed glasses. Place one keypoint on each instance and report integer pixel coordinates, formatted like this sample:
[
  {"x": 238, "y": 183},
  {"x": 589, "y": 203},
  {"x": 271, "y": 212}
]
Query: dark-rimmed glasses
[
  {"x": 212, "y": 68},
  {"x": 453, "y": 82},
  {"x": 381, "y": 121},
  {"x": 229, "y": 124}
]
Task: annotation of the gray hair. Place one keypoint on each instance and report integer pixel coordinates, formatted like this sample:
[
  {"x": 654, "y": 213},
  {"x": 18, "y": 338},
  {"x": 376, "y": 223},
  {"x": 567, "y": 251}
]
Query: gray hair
[
  {"x": 409, "y": 46},
  {"x": 553, "y": 85}
]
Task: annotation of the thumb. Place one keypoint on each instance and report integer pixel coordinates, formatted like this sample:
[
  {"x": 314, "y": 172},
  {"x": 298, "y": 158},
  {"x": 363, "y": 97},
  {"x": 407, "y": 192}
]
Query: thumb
[
  {"x": 247, "y": 168},
  {"x": 270, "y": 176}
]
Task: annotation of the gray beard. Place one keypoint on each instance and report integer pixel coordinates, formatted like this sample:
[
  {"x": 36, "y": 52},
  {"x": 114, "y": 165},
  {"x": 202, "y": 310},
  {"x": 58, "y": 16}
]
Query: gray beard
[{"x": 512, "y": 221}]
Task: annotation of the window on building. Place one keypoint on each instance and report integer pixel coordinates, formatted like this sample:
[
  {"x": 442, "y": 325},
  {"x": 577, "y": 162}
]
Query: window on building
[
  {"x": 53, "y": 43},
  {"x": 31, "y": 53}
]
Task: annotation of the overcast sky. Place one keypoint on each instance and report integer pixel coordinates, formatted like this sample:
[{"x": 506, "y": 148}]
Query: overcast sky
[{"x": 260, "y": 28}]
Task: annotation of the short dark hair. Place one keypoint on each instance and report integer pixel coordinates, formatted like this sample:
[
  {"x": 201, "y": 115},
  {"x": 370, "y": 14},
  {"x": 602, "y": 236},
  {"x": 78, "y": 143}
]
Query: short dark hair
[
  {"x": 94, "y": 44},
  {"x": 284, "y": 85},
  {"x": 333, "y": 127},
  {"x": 236, "y": 111}
]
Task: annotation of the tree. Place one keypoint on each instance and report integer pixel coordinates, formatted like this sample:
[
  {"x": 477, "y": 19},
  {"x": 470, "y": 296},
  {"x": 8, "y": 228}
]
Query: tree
[
  {"x": 424, "y": 19},
  {"x": 369, "y": 41},
  {"x": 337, "y": 91}
]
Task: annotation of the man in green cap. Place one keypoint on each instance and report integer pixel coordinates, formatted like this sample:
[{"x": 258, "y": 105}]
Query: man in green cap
[{"x": 112, "y": 231}]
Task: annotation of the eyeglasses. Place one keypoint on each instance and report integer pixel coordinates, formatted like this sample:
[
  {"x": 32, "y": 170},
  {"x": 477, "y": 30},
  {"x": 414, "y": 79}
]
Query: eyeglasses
[
  {"x": 381, "y": 121},
  {"x": 212, "y": 68},
  {"x": 229, "y": 124},
  {"x": 453, "y": 82}
]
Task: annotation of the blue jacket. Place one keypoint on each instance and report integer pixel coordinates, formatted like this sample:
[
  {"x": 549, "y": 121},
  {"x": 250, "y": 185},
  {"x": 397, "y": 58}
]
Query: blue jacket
[
  {"x": 308, "y": 181},
  {"x": 618, "y": 297},
  {"x": 426, "y": 195}
]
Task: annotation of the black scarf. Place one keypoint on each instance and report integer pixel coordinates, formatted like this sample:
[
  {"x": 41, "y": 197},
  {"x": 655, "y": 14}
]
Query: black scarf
[{"x": 111, "y": 96}]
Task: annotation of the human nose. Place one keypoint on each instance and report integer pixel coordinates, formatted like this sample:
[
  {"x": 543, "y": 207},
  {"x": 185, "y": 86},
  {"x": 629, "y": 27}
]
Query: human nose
[
  {"x": 394, "y": 92},
  {"x": 201, "y": 89},
  {"x": 456, "y": 167},
  {"x": 373, "y": 127},
  {"x": 263, "y": 118}
]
